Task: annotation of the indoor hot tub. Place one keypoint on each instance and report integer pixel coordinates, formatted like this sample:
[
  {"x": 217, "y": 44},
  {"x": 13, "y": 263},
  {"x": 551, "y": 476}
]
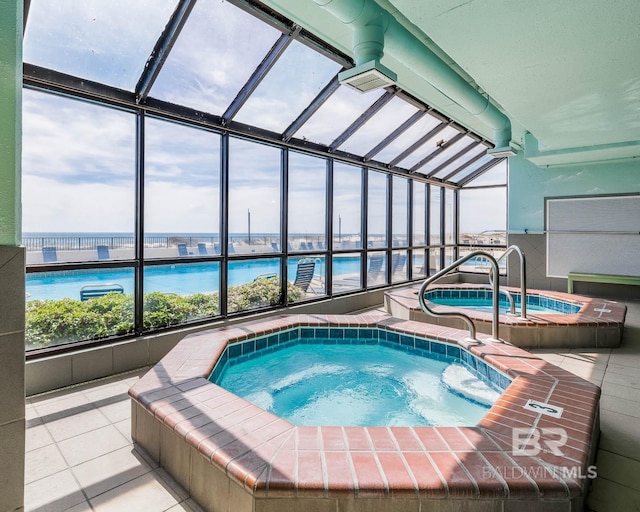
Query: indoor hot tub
[
  {"x": 233, "y": 454},
  {"x": 554, "y": 319}
]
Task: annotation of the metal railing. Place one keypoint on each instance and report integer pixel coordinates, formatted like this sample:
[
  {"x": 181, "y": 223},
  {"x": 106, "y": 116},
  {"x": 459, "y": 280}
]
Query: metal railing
[
  {"x": 495, "y": 299},
  {"x": 523, "y": 278}
]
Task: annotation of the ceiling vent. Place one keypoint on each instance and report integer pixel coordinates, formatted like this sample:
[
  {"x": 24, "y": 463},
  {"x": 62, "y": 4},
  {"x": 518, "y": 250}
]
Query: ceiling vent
[
  {"x": 502, "y": 152},
  {"x": 367, "y": 77}
]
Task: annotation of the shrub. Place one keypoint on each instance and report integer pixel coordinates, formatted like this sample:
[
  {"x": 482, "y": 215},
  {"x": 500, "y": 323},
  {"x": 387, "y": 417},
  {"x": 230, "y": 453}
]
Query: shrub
[
  {"x": 264, "y": 291},
  {"x": 51, "y": 322},
  {"x": 61, "y": 321}
]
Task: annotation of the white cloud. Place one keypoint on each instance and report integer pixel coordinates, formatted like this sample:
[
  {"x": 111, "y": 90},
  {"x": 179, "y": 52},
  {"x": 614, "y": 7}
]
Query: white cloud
[
  {"x": 108, "y": 42},
  {"x": 51, "y": 205}
]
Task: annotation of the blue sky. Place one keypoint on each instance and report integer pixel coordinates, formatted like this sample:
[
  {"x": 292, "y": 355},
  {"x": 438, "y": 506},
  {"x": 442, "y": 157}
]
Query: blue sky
[{"x": 79, "y": 158}]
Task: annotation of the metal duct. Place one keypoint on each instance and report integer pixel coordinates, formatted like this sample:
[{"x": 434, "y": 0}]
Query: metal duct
[{"x": 376, "y": 31}]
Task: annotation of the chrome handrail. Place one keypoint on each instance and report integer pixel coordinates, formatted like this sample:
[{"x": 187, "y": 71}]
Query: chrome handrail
[
  {"x": 512, "y": 303},
  {"x": 523, "y": 277},
  {"x": 472, "y": 328}
]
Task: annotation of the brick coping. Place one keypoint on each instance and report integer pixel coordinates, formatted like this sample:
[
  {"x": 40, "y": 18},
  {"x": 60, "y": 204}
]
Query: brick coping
[
  {"x": 270, "y": 457},
  {"x": 594, "y": 312}
]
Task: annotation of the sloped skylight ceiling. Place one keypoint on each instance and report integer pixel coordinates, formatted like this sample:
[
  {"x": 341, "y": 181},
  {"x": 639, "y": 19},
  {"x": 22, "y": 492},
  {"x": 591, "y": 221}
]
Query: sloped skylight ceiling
[
  {"x": 107, "y": 42},
  {"x": 338, "y": 112},
  {"x": 295, "y": 79},
  {"x": 206, "y": 68},
  {"x": 266, "y": 69},
  {"x": 392, "y": 115}
]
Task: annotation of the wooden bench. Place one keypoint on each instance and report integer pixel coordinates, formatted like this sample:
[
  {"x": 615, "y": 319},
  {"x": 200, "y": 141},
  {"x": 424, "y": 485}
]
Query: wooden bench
[
  {"x": 600, "y": 278},
  {"x": 92, "y": 291}
]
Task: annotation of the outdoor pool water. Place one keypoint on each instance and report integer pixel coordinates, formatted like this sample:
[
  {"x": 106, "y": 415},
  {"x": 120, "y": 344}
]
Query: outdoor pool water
[
  {"x": 180, "y": 279},
  {"x": 360, "y": 384}
]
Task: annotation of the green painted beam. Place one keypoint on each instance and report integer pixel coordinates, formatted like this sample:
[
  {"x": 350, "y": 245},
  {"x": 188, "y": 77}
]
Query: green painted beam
[
  {"x": 600, "y": 278},
  {"x": 10, "y": 121}
]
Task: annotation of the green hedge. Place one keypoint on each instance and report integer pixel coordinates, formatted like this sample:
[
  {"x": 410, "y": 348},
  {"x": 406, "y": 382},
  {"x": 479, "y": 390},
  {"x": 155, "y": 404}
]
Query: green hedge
[{"x": 51, "y": 322}]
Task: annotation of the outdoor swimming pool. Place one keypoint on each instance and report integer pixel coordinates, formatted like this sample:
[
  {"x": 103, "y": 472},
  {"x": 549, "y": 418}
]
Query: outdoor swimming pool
[{"x": 180, "y": 279}]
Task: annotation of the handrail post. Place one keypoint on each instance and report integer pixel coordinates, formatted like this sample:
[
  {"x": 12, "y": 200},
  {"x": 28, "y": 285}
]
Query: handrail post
[
  {"x": 465, "y": 318},
  {"x": 523, "y": 277}
]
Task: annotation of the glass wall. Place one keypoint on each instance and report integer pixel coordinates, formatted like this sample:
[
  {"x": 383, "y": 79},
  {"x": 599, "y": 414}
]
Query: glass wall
[
  {"x": 419, "y": 217},
  {"x": 347, "y": 207},
  {"x": 78, "y": 180},
  {"x": 435, "y": 215},
  {"x": 214, "y": 174},
  {"x": 419, "y": 268},
  {"x": 377, "y": 200},
  {"x": 254, "y": 198},
  {"x": 207, "y": 253},
  {"x": 399, "y": 212},
  {"x": 253, "y": 284},
  {"x": 178, "y": 293},
  {"x": 307, "y": 203},
  {"x": 435, "y": 228},
  {"x": 487, "y": 231},
  {"x": 182, "y": 191}
]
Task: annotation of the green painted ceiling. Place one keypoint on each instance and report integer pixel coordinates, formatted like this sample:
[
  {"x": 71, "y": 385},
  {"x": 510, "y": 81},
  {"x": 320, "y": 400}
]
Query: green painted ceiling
[{"x": 567, "y": 72}]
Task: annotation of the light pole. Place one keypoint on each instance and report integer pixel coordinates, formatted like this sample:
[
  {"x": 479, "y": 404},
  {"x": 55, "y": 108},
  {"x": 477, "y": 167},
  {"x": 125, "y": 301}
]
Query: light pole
[
  {"x": 249, "y": 224},
  {"x": 339, "y": 228}
]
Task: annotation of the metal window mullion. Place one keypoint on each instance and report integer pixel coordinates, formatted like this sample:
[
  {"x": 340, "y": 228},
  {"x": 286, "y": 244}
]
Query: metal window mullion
[
  {"x": 453, "y": 158},
  {"x": 436, "y": 152},
  {"x": 395, "y": 134},
  {"x": 362, "y": 119},
  {"x": 328, "y": 229},
  {"x": 422, "y": 140},
  {"x": 443, "y": 221},
  {"x": 409, "y": 229},
  {"x": 224, "y": 222},
  {"x": 138, "y": 293},
  {"x": 162, "y": 48},
  {"x": 258, "y": 75},
  {"x": 389, "y": 224},
  {"x": 364, "y": 225},
  {"x": 456, "y": 223},
  {"x": 426, "y": 230},
  {"x": 478, "y": 172},
  {"x": 25, "y": 15},
  {"x": 428, "y": 227},
  {"x": 284, "y": 224},
  {"x": 312, "y": 108},
  {"x": 463, "y": 166}
]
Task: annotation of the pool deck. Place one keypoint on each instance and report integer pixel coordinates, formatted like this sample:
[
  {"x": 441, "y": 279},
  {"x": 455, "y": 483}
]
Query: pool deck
[
  {"x": 598, "y": 324},
  {"x": 223, "y": 449},
  {"x": 80, "y": 456}
]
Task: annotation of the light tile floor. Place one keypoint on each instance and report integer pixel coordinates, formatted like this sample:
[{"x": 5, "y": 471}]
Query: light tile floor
[{"x": 79, "y": 454}]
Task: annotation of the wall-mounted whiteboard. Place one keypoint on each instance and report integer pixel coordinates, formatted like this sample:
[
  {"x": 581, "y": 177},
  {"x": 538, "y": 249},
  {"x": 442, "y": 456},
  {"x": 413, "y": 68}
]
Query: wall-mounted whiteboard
[{"x": 596, "y": 235}]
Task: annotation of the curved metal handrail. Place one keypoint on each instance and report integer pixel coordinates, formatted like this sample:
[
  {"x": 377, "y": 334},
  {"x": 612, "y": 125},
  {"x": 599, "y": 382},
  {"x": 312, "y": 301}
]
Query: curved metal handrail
[
  {"x": 506, "y": 293},
  {"x": 465, "y": 318},
  {"x": 523, "y": 277},
  {"x": 512, "y": 303}
]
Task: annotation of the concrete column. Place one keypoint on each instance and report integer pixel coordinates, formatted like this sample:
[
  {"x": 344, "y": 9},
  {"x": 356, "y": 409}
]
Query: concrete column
[{"x": 12, "y": 408}]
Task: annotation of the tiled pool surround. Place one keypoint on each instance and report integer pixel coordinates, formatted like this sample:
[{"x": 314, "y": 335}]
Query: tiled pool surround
[
  {"x": 232, "y": 456},
  {"x": 239, "y": 352},
  {"x": 584, "y": 321}
]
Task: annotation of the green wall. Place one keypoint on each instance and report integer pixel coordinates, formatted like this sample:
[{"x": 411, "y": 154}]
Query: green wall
[
  {"x": 529, "y": 185},
  {"x": 10, "y": 120}
]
